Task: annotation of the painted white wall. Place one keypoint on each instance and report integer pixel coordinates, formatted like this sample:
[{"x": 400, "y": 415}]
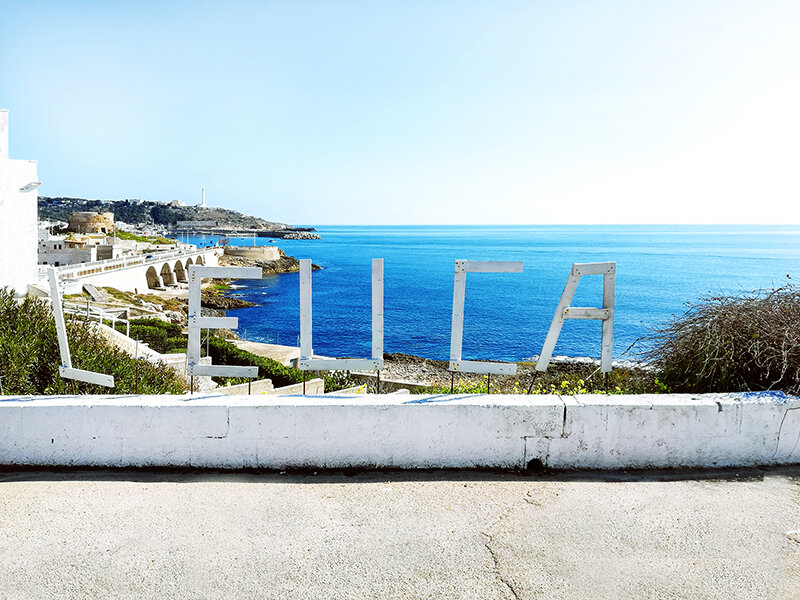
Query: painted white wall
[
  {"x": 596, "y": 432},
  {"x": 66, "y": 256},
  {"x": 255, "y": 252},
  {"x": 18, "y": 214}
]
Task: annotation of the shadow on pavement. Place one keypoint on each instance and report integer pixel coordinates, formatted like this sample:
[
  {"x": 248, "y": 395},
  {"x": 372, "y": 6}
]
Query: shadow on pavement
[{"x": 15, "y": 473}]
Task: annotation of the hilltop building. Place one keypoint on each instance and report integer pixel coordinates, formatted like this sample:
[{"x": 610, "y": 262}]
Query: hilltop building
[
  {"x": 91, "y": 222},
  {"x": 18, "y": 214}
]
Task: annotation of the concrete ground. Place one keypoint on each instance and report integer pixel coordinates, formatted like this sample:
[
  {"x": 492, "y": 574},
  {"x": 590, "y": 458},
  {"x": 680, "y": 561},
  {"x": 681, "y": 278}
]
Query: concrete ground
[
  {"x": 283, "y": 354},
  {"x": 447, "y": 534}
]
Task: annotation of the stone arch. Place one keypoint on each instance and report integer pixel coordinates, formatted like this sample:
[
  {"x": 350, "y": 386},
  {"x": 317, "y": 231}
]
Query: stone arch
[
  {"x": 200, "y": 260},
  {"x": 180, "y": 272},
  {"x": 153, "y": 280},
  {"x": 167, "y": 276}
]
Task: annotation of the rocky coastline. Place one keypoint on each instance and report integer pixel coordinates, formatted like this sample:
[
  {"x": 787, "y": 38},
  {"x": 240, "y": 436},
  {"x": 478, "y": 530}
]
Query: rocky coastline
[
  {"x": 435, "y": 374},
  {"x": 283, "y": 264},
  {"x": 218, "y": 300}
]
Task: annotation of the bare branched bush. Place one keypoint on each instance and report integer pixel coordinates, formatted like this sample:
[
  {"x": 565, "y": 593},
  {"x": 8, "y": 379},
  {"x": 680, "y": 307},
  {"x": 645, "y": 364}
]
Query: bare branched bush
[{"x": 749, "y": 342}]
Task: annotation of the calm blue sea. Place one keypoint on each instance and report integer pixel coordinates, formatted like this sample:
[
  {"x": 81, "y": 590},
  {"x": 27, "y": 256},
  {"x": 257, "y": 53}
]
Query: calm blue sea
[{"x": 659, "y": 269}]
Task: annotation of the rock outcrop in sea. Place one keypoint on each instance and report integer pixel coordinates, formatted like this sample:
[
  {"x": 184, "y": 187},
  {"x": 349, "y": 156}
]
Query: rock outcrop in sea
[{"x": 272, "y": 260}]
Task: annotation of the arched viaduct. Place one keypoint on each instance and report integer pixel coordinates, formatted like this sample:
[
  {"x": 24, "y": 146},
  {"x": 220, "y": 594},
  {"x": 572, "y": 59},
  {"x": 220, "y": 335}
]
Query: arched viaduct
[{"x": 139, "y": 274}]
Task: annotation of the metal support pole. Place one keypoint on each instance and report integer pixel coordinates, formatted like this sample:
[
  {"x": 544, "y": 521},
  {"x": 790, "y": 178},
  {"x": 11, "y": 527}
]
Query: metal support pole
[
  {"x": 533, "y": 379},
  {"x": 488, "y": 383},
  {"x": 452, "y": 381},
  {"x": 378, "y": 384}
]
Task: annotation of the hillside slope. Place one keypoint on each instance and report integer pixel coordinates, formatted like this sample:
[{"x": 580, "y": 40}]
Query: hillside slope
[{"x": 144, "y": 211}]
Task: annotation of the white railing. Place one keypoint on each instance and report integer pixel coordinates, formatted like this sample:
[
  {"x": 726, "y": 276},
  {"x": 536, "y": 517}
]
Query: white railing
[
  {"x": 112, "y": 264},
  {"x": 101, "y": 314}
]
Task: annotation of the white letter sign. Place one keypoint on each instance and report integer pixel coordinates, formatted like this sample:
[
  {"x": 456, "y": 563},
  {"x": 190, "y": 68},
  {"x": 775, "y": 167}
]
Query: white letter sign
[
  {"x": 463, "y": 267},
  {"x": 307, "y": 362},
  {"x": 198, "y": 322},
  {"x": 564, "y": 311}
]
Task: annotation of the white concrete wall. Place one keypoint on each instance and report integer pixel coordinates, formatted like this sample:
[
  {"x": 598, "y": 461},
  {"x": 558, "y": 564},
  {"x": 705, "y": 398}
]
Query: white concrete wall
[
  {"x": 258, "y": 386},
  {"x": 314, "y": 386},
  {"x": 18, "y": 216},
  {"x": 264, "y": 386},
  {"x": 594, "y": 432},
  {"x": 255, "y": 252},
  {"x": 67, "y": 256}
]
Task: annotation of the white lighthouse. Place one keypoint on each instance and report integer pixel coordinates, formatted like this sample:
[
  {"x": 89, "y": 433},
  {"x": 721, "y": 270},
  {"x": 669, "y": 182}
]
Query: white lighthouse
[{"x": 203, "y": 202}]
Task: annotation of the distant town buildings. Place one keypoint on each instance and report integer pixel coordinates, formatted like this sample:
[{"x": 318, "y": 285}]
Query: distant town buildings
[
  {"x": 18, "y": 214},
  {"x": 73, "y": 248},
  {"x": 195, "y": 224}
]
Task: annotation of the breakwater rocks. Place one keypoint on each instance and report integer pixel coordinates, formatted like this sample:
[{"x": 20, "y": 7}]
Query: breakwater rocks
[
  {"x": 271, "y": 259},
  {"x": 292, "y": 233},
  {"x": 301, "y": 235}
]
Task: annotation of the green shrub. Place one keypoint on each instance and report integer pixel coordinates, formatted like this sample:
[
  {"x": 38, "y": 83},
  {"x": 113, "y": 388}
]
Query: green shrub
[
  {"x": 223, "y": 352},
  {"x": 176, "y": 342},
  {"x": 176, "y": 350},
  {"x": 170, "y": 329},
  {"x": 159, "y": 335},
  {"x": 29, "y": 356},
  {"x": 338, "y": 380},
  {"x": 152, "y": 336},
  {"x": 732, "y": 343}
]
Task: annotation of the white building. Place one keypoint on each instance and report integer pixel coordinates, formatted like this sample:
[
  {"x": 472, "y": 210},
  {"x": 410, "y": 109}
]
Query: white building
[
  {"x": 55, "y": 251},
  {"x": 18, "y": 217}
]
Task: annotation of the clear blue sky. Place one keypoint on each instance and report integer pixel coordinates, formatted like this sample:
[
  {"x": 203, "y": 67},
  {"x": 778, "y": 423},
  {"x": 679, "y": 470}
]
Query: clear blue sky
[{"x": 414, "y": 112}]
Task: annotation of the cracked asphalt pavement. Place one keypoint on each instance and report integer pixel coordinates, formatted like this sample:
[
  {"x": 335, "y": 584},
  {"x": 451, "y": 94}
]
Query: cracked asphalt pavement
[{"x": 440, "y": 534}]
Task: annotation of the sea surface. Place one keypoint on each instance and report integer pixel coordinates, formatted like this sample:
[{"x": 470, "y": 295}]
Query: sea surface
[{"x": 659, "y": 270}]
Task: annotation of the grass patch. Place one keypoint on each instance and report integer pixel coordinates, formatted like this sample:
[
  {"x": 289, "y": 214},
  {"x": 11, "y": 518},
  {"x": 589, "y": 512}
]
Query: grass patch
[
  {"x": 567, "y": 379},
  {"x": 175, "y": 304},
  {"x": 219, "y": 286},
  {"x": 127, "y": 235}
]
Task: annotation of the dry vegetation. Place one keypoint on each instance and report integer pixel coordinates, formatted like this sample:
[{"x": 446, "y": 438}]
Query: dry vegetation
[{"x": 749, "y": 342}]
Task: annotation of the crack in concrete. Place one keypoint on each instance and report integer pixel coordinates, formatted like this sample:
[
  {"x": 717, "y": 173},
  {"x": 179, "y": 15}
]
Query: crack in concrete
[
  {"x": 496, "y": 561},
  {"x": 780, "y": 431},
  {"x": 524, "y": 451},
  {"x": 526, "y": 499}
]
